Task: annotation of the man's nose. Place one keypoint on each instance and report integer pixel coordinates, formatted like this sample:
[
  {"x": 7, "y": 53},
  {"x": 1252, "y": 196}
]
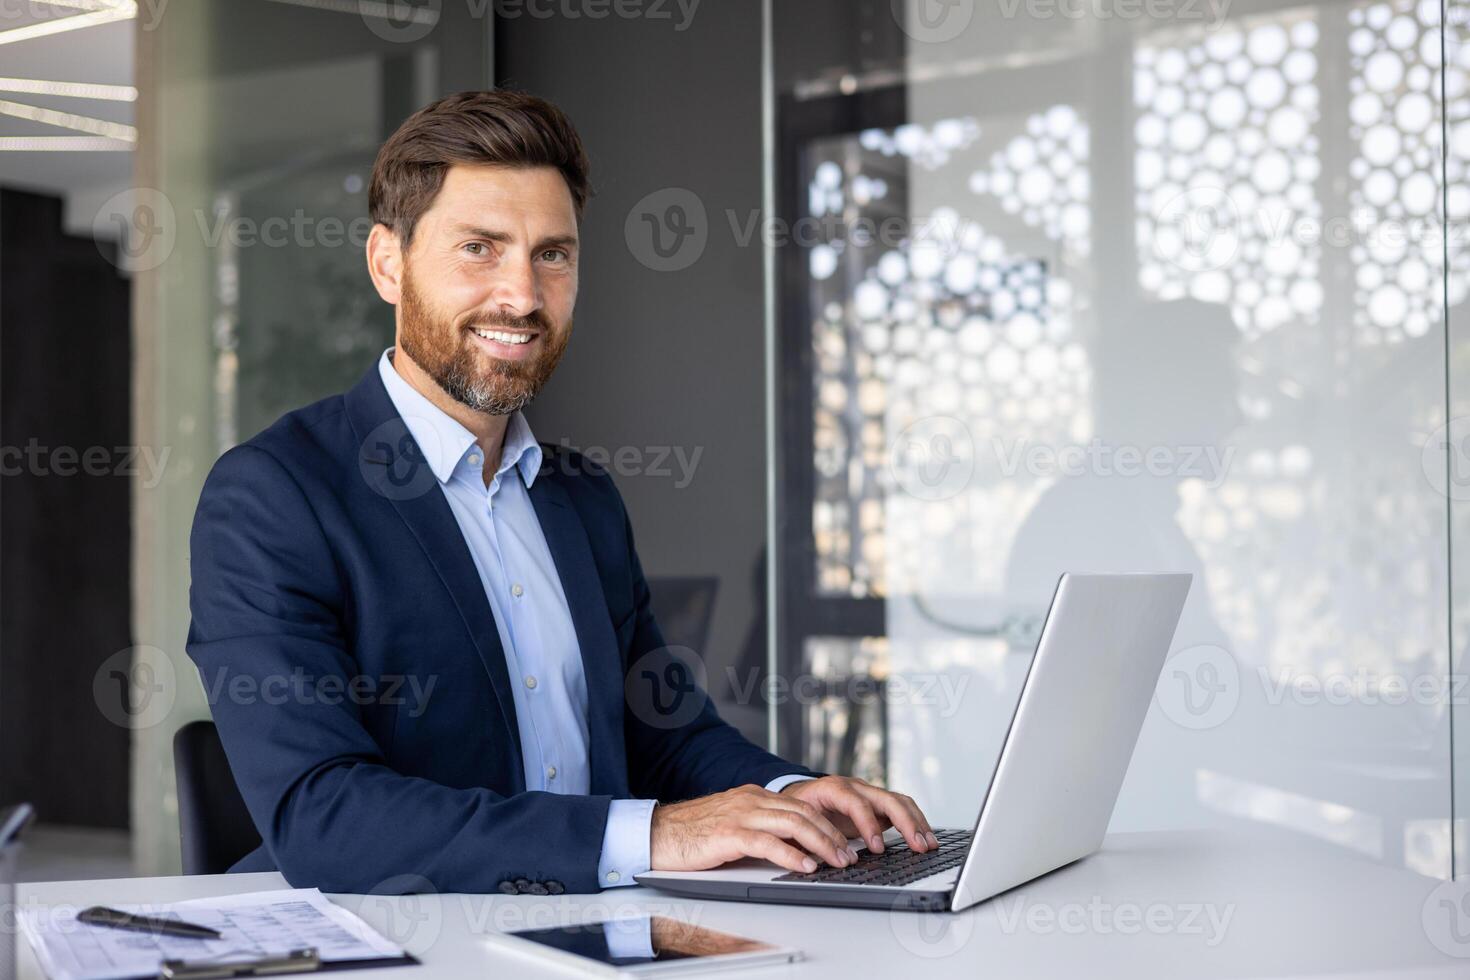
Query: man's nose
[{"x": 516, "y": 289}]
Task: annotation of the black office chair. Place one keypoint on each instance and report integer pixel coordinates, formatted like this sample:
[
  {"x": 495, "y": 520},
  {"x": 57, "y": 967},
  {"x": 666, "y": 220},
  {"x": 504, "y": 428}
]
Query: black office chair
[
  {"x": 215, "y": 829},
  {"x": 684, "y": 606}
]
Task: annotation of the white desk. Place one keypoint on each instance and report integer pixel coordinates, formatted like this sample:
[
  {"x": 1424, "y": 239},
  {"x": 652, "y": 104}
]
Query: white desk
[{"x": 1140, "y": 908}]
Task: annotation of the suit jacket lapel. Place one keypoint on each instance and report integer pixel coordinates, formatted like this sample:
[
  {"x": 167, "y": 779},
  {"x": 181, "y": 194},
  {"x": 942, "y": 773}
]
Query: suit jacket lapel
[
  {"x": 566, "y": 538},
  {"x": 395, "y": 468}
]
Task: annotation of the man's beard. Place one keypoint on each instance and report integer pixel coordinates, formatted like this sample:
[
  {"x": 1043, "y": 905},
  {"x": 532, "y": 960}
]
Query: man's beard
[{"x": 444, "y": 350}]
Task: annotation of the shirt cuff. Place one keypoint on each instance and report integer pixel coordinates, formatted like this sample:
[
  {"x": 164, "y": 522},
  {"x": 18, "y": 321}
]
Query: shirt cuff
[
  {"x": 626, "y": 842},
  {"x": 630, "y": 939},
  {"x": 781, "y": 782}
]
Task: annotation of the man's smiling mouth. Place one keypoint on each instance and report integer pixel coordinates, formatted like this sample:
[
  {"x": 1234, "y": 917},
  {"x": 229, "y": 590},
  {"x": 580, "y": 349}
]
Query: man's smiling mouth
[
  {"x": 507, "y": 344},
  {"x": 503, "y": 336}
]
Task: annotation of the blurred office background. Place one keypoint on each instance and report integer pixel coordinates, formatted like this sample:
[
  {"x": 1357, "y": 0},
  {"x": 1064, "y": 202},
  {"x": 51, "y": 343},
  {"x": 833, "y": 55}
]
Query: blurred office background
[{"x": 894, "y": 309}]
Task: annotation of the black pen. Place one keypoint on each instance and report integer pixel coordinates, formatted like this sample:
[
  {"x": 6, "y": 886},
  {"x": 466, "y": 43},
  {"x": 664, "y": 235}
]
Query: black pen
[{"x": 100, "y": 915}]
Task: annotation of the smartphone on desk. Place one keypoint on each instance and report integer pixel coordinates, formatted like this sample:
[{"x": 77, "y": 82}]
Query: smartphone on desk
[{"x": 640, "y": 946}]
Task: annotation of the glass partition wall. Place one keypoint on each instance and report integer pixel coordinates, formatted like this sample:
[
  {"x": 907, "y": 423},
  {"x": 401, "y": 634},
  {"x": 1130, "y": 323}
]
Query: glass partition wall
[
  {"x": 1073, "y": 292},
  {"x": 262, "y": 119}
]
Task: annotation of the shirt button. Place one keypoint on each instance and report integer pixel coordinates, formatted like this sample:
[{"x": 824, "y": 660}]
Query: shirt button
[
  {"x": 531, "y": 681},
  {"x": 475, "y": 460},
  {"x": 517, "y": 591},
  {"x": 613, "y": 876},
  {"x": 551, "y": 772}
]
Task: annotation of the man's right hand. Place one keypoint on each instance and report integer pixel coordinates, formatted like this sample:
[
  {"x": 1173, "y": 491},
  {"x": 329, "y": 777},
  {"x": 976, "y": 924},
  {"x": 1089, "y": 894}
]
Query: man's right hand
[{"x": 747, "y": 821}]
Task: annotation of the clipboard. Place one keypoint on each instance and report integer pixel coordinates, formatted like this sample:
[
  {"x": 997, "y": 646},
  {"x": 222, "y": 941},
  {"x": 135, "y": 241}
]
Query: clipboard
[
  {"x": 271, "y": 933},
  {"x": 297, "y": 961}
]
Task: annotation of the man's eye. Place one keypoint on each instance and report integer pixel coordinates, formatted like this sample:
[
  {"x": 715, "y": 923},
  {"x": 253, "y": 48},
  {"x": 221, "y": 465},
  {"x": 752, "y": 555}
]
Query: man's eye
[
  {"x": 554, "y": 255},
  {"x": 476, "y": 248}
]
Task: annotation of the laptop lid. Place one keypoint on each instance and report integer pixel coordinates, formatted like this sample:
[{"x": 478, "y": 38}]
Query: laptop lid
[{"x": 1076, "y": 723}]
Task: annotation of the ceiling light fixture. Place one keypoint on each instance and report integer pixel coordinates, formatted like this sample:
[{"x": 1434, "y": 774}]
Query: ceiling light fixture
[
  {"x": 81, "y": 4},
  {"x": 126, "y": 10},
  {"x": 51, "y": 144},
  {"x": 71, "y": 90},
  {"x": 69, "y": 120},
  {"x": 395, "y": 10}
]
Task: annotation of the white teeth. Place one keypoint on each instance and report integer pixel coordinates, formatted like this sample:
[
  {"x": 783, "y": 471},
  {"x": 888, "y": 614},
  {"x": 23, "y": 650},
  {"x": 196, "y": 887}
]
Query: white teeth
[{"x": 502, "y": 337}]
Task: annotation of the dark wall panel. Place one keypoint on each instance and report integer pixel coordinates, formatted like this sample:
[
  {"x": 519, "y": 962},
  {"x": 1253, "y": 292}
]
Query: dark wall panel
[{"x": 65, "y": 579}]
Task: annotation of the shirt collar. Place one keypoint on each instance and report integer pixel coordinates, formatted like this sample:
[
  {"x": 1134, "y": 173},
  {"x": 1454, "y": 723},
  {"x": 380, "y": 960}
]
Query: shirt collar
[
  {"x": 520, "y": 449},
  {"x": 444, "y": 442}
]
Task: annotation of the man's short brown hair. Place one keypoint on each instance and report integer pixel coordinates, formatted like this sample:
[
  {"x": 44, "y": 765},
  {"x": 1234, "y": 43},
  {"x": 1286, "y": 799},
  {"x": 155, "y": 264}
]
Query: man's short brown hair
[{"x": 498, "y": 127}]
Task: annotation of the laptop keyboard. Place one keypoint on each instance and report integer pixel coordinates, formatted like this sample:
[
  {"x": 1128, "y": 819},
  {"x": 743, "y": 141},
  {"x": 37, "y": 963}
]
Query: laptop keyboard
[{"x": 897, "y": 865}]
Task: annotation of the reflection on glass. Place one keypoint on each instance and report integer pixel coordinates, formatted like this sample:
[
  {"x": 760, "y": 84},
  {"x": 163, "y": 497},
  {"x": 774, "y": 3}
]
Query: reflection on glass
[
  {"x": 1175, "y": 303},
  {"x": 843, "y": 696},
  {"x": 1227, "y": 152},
  {"x": 926, "y": 319}
]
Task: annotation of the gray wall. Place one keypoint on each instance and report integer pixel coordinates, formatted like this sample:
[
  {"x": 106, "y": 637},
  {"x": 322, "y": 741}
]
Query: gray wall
[{"x": 675, "y": 358}]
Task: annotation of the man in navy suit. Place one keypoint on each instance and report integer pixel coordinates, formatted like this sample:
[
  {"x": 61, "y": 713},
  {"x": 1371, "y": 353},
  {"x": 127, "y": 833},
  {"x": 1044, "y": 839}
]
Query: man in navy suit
[{"x": 426, "y": 637}]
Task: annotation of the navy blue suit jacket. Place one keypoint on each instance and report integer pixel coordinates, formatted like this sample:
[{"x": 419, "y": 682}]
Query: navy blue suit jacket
[{"x": 324, "y": 555}]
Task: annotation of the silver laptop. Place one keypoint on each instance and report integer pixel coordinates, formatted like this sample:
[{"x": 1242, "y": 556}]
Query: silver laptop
[{"x": 1055, "y": 782}]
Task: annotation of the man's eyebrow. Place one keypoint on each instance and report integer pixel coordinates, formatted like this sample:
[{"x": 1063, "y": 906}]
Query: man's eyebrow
[
  {"x": 555, "y": 241},
  {"x": 478, "y": 232},
  {"x": 550, "y": 241}
]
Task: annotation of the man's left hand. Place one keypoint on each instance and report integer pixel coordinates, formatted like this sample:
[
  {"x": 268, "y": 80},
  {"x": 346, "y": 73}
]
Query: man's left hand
[{"x": 862, "y": 810}]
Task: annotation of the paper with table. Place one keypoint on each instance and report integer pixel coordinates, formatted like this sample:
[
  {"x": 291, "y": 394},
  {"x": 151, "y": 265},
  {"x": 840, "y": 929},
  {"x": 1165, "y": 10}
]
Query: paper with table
[{"x": 252, "y": 926}]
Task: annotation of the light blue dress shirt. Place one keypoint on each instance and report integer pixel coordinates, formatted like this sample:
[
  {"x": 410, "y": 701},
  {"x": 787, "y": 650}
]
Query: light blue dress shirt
[{"x": 504, "y": 536}]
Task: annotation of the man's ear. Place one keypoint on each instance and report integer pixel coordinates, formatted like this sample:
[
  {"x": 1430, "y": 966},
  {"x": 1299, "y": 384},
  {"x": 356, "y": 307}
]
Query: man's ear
[{"x": 385, "y": 263}]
